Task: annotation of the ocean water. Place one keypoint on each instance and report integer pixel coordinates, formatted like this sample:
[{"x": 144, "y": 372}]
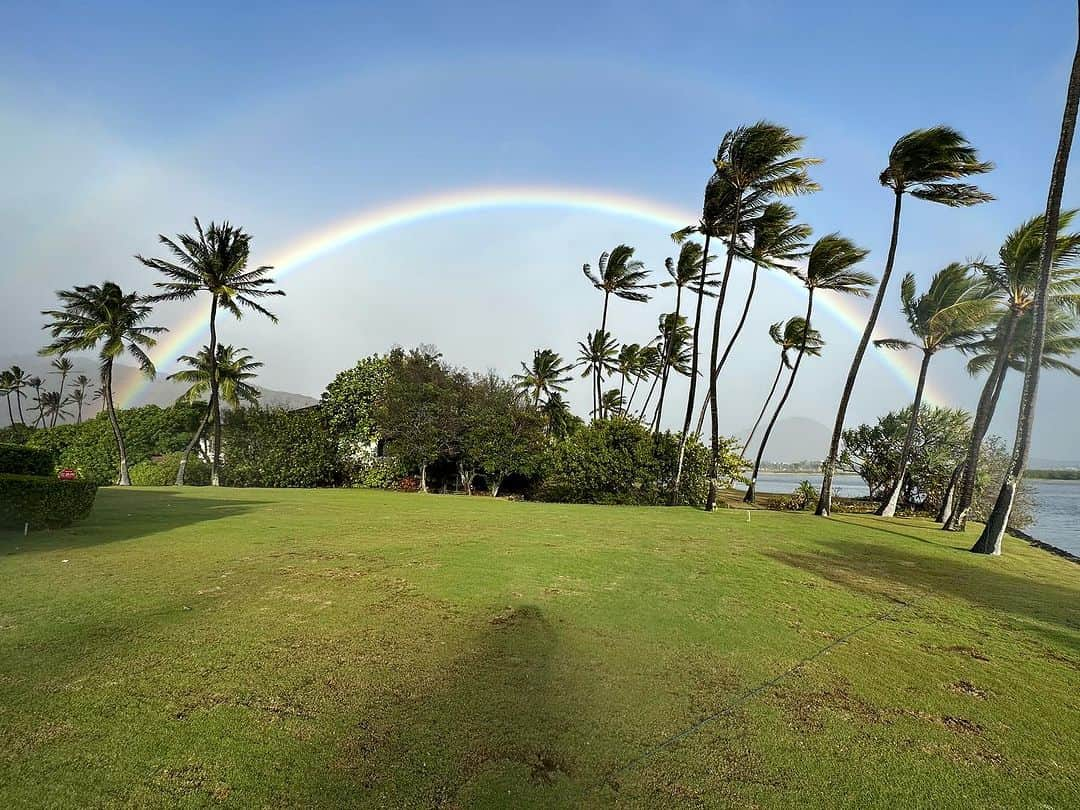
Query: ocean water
[{"x": 1057, "y": 503}]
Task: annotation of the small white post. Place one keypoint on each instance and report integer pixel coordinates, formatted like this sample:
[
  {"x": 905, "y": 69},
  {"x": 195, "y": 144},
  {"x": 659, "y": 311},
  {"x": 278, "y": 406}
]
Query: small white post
[{"x": 25, "y": 529}]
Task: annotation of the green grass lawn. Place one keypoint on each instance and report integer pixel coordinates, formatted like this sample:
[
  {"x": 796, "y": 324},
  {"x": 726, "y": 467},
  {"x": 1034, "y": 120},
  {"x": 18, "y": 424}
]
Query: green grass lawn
[{"x": 257, "y": 648}]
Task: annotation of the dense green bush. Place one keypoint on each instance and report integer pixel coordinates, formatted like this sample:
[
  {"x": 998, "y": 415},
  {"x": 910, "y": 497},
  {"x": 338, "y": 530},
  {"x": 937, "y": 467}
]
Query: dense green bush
[
  {"x": 43, "y": 502},
  {"x": 348, "y": 403},
  {"x": 90, "y": 447},
  {"x": 273, "y": 447},
  {"x": 19, "y": 460},
  {"x": 15, "y": 434},
  {"x": 618, "y": 461},
  {"x": 161, "y": 471}
]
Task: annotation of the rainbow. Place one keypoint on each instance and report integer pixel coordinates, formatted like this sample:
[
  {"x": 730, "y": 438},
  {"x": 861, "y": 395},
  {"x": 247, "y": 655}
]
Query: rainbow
[{"x": 304, "y": 251}]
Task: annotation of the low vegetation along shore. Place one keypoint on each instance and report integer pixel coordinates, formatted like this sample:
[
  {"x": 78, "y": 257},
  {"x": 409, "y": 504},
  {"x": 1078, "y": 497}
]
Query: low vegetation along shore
[{"x": 363, "y": 648}]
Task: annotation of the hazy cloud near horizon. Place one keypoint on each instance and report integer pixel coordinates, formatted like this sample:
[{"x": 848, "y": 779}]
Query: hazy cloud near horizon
[{"x": 97, "y": 160}]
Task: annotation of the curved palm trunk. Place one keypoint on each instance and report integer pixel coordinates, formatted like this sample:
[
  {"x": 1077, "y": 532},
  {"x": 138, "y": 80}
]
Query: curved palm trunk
[
  {"x": 633, "y": 393},
  {"x": 10, "y": 413},
  {"x": 714, "y": 409},
  {"x": 122, "y": 479},
  {"x": 669, "y": 343},
  {"x": 824, "y": 505},
  {"x": 191, "y": 446},
  {"x": 950, "y": 493},
  {"x": 18, "y": 402},
  {"x": 984, "y": 413},
  {"x": 40, "y": 418},
  {"x": 888, "y": 506},
  {"x": 59, "y": 399},
  {"x": 751, "y": 491},
  {"x": 215, "y": 403},
  {"x": 693, "y": 374},
  {"x": 78, "y": 418},
  {"x": 734, "y": 337},
  {"x": 764, "y": 407},
  {"x": 989, "y": 541},
  {"x": 599, "y": 408}
]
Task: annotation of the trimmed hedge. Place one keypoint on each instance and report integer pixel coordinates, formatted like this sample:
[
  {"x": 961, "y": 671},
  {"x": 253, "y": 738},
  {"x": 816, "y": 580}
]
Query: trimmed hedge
[
  {"x": 43, "y": 502},
  {"x": 17, "y": 459},
  {"x": 161, "y": 472}
]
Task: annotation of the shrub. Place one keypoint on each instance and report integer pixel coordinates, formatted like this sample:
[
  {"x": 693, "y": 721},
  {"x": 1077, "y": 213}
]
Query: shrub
[
  {"x": 161, "y": 471},
  {"x": 43, "y": 502},
  {"x": 618, "y": 461},
  {"x": 274, "y": 447},
  {"x": 804, "y": 497},
  {"x": 19, "y": 460},
  {"x": 90, "y": 447}
]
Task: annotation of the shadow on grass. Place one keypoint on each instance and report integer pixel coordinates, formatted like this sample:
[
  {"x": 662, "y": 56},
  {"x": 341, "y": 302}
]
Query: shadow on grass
[
  {"x": 128, "y": 514},
  {"x": 890, "y": 570},
  {"x": 496, "y": 726}
]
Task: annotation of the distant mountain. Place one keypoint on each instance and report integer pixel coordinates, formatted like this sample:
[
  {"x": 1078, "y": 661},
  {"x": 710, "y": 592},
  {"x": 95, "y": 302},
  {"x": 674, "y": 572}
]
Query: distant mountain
[
  {"x": 158, "y": 391},
  {"x": 1052, "y": 464},
  {"x": 794, "y": 439}
]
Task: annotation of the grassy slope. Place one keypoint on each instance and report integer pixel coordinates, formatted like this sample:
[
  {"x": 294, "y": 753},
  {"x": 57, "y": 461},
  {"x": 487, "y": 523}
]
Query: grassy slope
[{"x": 298, "y": 648}]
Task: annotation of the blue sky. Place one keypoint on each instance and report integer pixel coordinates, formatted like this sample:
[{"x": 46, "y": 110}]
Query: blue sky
[{"x": 123, "y": 120}]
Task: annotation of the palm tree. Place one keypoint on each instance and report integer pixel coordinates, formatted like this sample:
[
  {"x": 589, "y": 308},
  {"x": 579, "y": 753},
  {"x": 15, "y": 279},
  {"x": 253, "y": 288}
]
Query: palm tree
[
  {"x": 648, "y": 363},
  {"x": 557, "y": 413},
  {"x": 53, "y": 406},
  {"x": 949, "y": 314},
  {"x": 673, "y": 353},
  {"x": 684, "y": 273},
  {"x": 1015, "y": 276},
  {"x": 627, "y": 364},
  {"x": 234, "y": 368},
  {"x": 927, "y": 164},
  {"x": 7, "y": 387},
  {"x": 789, "y": 337},
  {"x": 36, "y": 383},
  {"x": 597, "y": 353},
  {"x": 778, "y": 243},
  {"x": 19, "y": 380},
  {"x": 62, "y": 367},
  {"x": 828, "y": 267},
  {"x": 214, "y": 261},
  {"x": 546, "y": 376},
  {"x": 105, "y": 319},
  {"x": 755, "y": 163},
  {"x": 989, "y": 541},
  {"x": 82, "y": 382},
  {"x": 619, "y": 274},
  {"x": 612, "y": 403}
]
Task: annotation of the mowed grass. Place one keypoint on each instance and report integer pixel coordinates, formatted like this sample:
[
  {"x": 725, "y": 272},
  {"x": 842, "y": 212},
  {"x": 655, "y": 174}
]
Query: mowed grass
[{"x": 256, "y": 648}]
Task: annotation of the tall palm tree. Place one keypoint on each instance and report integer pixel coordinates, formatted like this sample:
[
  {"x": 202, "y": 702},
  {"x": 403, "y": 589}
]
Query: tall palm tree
[
  {"x": 1015, "y": 276},
  {"x": 62, "y": 366},
  {"x": 613, "y": 403},
  {"x": 989, "y": 541},
  {"x": 828, "y": 267},
  {"x": 105, "y": 319},
  {"x": 214, "y": 261},
  {"x": 53, "y": 406},
  {"x": 36, "y": 383},
  {"x": 7, "y": 388},
  {"x": 619, "y": 274},
  {"x": 598, "y": 353},
  {"x": 627, "y": 364},
  {"x": 686, "y": 272},
  {"x": 755, "y": 163},
  {"x": 19, "y": 380},
  {"x": 234, "y": 369},
  {"x": 674, "y": 341},
  {"x": 927, "y": 164},
  {"x": 778, "y": 243},
  {"x": 546, "y": 376},
  {"x": 789, "y": 337},
  {"x": 952, "y": 311},
  {"x": 82, "y": 382}
]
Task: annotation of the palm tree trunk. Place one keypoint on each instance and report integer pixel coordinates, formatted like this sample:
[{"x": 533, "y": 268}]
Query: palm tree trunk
[
  {"x": 984, "y": 413},
  {"x": 734, "y": 336},
  {"x": 59, "y": 399},
  {"x": 714, "y": 409},
  {"x": 78, "y": 419},
  {"x": 693, "y": 374},
  {"x": 751, "y": 491},
  {"x": 215, "y": 404},
  {"x": 10, "y": 413},
  {"x": 599, "y": 371},
  {"x": 18, "y": 402},
  {"x": 122, "y": 479},
  {"x": 633, "y": 393},
  {"x": 989, "y": 541},
  {"x": 670, "y": 343},
  {"x": 950, "y": 494},
  {"x": 824, "y": 505},
  {"x": 764, "y": 407},
  {"x": 888, "y": 506},
  {"x": 191, "y": 446},
  {"x": 423, "y": 477}
]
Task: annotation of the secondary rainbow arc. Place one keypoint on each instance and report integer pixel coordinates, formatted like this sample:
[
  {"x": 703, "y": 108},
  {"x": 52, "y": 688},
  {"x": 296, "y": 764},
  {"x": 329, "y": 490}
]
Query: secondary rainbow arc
[{"x": 302, "y": 252}]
